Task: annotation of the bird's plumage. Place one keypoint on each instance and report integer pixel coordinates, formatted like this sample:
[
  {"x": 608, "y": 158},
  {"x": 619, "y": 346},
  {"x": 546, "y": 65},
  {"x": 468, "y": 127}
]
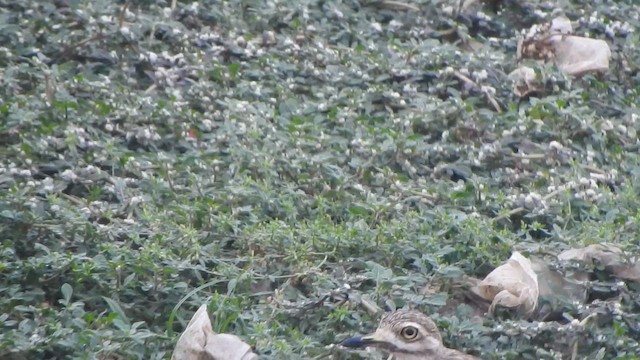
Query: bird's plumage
[{"x": 408, "y": 335}]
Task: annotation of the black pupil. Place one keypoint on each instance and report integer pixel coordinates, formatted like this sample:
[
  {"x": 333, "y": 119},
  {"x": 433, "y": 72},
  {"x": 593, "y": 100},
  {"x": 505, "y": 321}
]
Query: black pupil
[{"x": 410, "y": 332}]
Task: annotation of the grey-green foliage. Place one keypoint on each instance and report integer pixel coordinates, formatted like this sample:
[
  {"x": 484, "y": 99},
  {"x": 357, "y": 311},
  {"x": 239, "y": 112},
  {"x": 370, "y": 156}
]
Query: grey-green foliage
[{"x": 264, "y": 154}]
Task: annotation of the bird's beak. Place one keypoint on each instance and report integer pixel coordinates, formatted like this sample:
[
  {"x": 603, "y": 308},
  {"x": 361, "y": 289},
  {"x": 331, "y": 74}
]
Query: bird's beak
[{"x": 361, "y": 341}]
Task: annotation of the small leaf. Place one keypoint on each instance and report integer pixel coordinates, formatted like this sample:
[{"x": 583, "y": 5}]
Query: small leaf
[
  {"x": 121, "y": 324},
  {"x": 67, "y": 291},
  {"x": 234, "y": 69},
  {"x": 231, "y": 286},
  {"x": 128, "y": 279},
  {"x": 451, "y": 272},
  {"x": 358, "y": 210},
  {"x": 439, "y": 299},
  {"x": 378, "y": 272},
  {"x": 116, "y": 309}
]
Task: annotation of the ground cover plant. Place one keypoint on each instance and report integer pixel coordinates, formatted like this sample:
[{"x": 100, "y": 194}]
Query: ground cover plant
[{"x": 290, "y": 161}]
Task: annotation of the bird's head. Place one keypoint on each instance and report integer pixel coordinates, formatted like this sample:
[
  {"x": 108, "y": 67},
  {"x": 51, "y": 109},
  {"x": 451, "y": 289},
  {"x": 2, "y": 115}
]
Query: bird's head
[{"x": 402, "y": 332}]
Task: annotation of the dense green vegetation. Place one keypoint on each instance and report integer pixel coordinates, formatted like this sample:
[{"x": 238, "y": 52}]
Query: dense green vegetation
[{"x": 287, "y": 160}]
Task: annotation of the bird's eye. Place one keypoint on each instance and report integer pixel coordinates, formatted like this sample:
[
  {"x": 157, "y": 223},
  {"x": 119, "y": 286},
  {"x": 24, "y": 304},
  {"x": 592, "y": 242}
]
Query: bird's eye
[{"x": 409, "y": 332}]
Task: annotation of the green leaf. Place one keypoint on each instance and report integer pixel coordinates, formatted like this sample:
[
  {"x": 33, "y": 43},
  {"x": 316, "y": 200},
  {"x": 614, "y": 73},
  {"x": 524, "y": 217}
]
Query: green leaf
[
  {"x": 231, "y": 286},
  {"x": 234, "y": 69},
  {"x": 128, "y": 279},
  {"x": 378, "y": 272},
  {"x": 67, "y": 291},
  {"x": 116, "y": 309},
  {"x": 358, "y": 210},
  {"x": 451, "y": 272},
  {"x": 439, "y": 299}
]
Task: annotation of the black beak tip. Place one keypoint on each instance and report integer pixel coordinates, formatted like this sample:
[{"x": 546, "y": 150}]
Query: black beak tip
[{"x": 353, "y": 342}]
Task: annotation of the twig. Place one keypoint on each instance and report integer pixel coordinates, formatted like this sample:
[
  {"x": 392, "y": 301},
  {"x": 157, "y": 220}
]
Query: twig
[
  {"x": 398, "y": 5},
  {"x": 521, "y": 208},
  {"x": 509, "y": 214},
  {"x": 150, "y": 88},
  {"x": 593, "y": 169},
  {"x": 421, "y": 198},
  {"x": 529, "y": 156},
  {"x": 49, "y": 88},
  {"x": 123, "y": 13},
  {"x": 472, "y": 83},
  {"x": 80, "y": 43},
  {"x": 370, "y": 307}
]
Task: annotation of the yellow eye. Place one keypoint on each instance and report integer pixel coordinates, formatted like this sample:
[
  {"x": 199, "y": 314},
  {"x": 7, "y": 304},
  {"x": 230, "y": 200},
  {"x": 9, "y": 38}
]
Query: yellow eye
[{"x": 409, "y": 332}]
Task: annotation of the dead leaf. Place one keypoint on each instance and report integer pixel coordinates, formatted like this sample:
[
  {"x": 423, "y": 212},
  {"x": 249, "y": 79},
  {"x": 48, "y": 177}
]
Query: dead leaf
[
  {"x": 524, "y": 81},
  {"x": 560, "y": 25},
  {"x": 575, "y": 55},
  {"x": 557, "y": 290},
  {"x": 535, "y": 43},
  {"x": 459, "y": 292},
  {"x": 610, "y": 256},
  {"x": 199, "y": 342},
  {"x": 513, "y": 284},
  {"x": 228, "y": 346}
]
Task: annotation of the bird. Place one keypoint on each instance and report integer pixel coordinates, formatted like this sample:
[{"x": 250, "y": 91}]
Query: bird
[{"x": 408, "y": 335}]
